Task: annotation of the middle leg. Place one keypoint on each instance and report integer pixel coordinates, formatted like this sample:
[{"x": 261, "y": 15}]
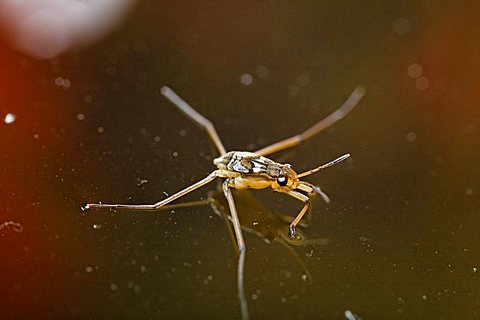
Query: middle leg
[{"x": 241, "y": 249}]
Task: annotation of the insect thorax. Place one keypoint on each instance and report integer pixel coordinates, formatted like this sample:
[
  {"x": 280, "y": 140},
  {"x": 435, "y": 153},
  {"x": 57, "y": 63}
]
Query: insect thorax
[{"x": 249, "y": 163}]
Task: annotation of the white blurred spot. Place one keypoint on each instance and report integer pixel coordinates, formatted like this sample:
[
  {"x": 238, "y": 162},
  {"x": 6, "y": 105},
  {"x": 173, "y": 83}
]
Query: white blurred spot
[
  {"x": 80, "y": 116},
  {"x": 10, "y": 118},
  {"x": 15, "y": 226},
  {"x": 88, "y": 269},
  {"x": 415, "y": 70},
  {"x": 113, "y": 286},
  {"x": 469, "y": 191},
  {"x": 100, "y": 130},
  {"x": 349, "y": 315},
  {"x": 141, "y": 181},
  {"x": 421, "y": 83},
  {"x": 246, "y": 79},
  {"x": 47, "y": 28},
  {"x": 401, "y": 26}
]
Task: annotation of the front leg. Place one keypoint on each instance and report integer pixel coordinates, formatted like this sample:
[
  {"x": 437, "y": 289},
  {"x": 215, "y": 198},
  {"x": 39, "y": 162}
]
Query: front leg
[{"x": 306, "y": 206}]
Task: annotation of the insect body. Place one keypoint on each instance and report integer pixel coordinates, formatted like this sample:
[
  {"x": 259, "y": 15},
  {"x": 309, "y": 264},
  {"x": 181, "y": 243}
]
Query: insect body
[
  {"x": 251, "y": 170},
  {"x": 243, "y": 170}
]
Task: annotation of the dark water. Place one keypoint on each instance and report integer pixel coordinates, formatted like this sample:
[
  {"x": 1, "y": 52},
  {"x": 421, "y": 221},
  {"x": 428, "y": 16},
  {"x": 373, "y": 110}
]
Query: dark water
[{"x": 403, "y": 224}]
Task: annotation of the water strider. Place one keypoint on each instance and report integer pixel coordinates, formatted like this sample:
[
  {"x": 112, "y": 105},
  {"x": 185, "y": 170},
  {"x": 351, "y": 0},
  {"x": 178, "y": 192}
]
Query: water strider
[{"x": 251, "y": 170}]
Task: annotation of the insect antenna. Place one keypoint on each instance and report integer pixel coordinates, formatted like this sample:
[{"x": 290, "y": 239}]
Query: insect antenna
[{"x": 323, "y": 166}]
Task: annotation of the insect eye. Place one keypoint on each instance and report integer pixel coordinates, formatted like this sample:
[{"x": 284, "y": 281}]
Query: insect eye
[{"x": 282, "y": 181}]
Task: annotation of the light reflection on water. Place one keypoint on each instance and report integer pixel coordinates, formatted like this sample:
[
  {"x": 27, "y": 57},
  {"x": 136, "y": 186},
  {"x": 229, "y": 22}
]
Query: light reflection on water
[{"x": 403, "y": 221}]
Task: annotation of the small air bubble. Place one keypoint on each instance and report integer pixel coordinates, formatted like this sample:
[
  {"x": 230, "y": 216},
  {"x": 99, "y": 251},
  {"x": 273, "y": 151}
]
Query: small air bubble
[
  {"x": 101, "y": 130},
  {"x": 469, "y": 191},
  {"x": 246, "y": 79},
  {"x": 63, "y": 82},
  {"x": 175, "y": 154},
  {"x": 262, "y": 72},
  {"x": 88, "y": 269},
  {"x": 80, "y": 116},
  {"x": 59, "y": 81},
  {"x": 422, "y": 83},
  {"x": 66, "y": 83},
  {"x": 113, "y": 286},
  {"x": 401, "y": 26},
  {"x": 411, "y": 136},
  {"x": 293, "y": 90},
  {"x": 303, "y": 80},
  {"x": 415, "y": 70}
]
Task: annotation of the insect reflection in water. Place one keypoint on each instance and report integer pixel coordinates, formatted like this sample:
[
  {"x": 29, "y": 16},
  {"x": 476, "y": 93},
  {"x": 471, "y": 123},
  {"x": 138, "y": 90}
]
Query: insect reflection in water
[
  {"x": 251, "y": 170},
  {"x": 256, "y": 218}
]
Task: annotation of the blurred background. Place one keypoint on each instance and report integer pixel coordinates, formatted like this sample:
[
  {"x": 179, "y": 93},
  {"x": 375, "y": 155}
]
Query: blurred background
[{"x": 83, "y": 121}]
